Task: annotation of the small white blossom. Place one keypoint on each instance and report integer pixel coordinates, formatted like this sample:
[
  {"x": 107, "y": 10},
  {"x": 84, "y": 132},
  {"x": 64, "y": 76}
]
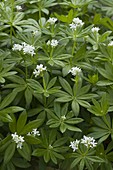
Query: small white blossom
[
  {"x": 74, "y": 71},
  {"x": 76, "y": 23},
  {"x": 88, "y": 141},
  {"x": 18, "y": 140},
  {"x": 73, "y": 26},
  {"x": 18, "y": 7},
  {"x": 95, "y": 29},
  {"x": 111, "y": 43},
  {"x": 74, "y": 145},
  {"x": 28, "y": 49},
  {"x": 17, "y": 47},
  {"x": 52, "y": 20},
  {"x": 39, "y": 69},
  {"x": 63, "y": 117},
  {"x": 52, "y": 42},
  {"x": 34, "y": 133},
  {"x": 35, "y": 32}
]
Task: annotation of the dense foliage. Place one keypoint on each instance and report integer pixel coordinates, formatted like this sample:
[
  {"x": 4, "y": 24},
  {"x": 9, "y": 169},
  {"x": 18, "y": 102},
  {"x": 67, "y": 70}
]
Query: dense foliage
[{"x": 56, "y": 84}]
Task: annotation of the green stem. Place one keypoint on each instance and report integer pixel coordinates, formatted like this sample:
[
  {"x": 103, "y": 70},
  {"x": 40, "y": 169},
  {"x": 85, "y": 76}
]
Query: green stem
[
  {"x": 11, "y": 20},
  {"x": 51, "y": 53},
  {"x": 40, "y": 16},
  {"x": 44, "y": 84},
  {"x": 73, "y": 50}
]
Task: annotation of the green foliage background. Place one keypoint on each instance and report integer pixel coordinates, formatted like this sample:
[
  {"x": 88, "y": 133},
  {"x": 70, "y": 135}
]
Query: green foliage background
[{"x": 61, "y": 106}]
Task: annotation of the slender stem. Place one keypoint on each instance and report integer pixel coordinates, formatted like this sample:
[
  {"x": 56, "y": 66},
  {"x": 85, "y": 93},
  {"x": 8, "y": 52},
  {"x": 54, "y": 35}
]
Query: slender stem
[
  {"x": 11, "y": 20},
  {"x": 51, "y": 53},
  {"x": 44, "y": 84},
  {"x": 73, "y": 50},
  {"x": 40, "y": 16}
]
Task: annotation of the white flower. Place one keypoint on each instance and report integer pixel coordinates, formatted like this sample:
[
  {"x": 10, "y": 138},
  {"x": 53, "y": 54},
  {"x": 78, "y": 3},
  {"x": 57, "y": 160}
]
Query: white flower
[
  {"x": 28, "y": 49},
  {"x": 74, "y": 71},
  {"x": 76, "y": 23},
  {"x": 39, "y": 69},
  {"x": 18, "y": 7},
  {"x": 34, "y": 132},
  {"x": 74, "y": 145},
  {"x": 52, "y": 42},
  {"x": 49, "y": 42},
  {"x": 19, "y": 145},
  {"x": 88, "y": 141},
  {"x": 63, "y": 117},
  {"x": 35, "y": 32},
  {"x": 18, "y": 140},
  {"x": 73, "y": 26},
  {"x": 52, "y": 20},
  {"x": 95, "y": 29},
  {"x": 111, "y": 43},
  {"x": 17, "y": 47}
]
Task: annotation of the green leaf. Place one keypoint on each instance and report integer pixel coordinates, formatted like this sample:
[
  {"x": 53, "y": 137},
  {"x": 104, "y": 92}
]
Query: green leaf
[
  {"x": 9, "y": 152},
  {"x": 28, "y": 96},
  {"x": 6, "y": 118},
  {"x": 75, "y": 107},
  {"x": 21, "y": 121},
  {"x": 25, "y": 152},
  {"x": 62, "y": 127},
  {"x": 8, "y": 99},
  {"x": 21, "y": 163},
  {"x": 12, "y": 109},
  {"x": 31, "y": 125},
  {"x": 95, "y": 159},
  {"x": 51, "y": 82},
  {"x": 66, "y": 86},
  {"x": 32, "y": 140}
]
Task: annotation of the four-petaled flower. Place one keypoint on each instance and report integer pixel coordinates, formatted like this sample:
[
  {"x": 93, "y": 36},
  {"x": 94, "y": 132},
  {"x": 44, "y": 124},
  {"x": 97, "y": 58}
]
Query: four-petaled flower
[
  {"x": 39, "y": 69},
  {"x": 52, "y": 43},
  {"x": 95, "y": 29},
  {"x": 74, "y": 145},
  {"x": 76, "y": 23},
  {"x": 34, "y": 133},
  {"x": 52, "y": 20},
  {"x": 74, "y": 71}
]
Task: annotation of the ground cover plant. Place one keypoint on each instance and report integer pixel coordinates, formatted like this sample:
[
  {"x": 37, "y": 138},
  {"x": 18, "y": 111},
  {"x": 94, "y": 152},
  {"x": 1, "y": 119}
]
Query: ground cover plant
[{"x": 56, "y": 84}]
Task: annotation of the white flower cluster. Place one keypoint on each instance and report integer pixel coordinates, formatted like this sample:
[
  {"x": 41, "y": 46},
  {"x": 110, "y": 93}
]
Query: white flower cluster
[
  {"x": 18, "y": 7},
  {"x": 18, "y": 140},
  {"x": 76, "y": 23},
  {"x": 95, "y": 29},
  {"x": 27, "y": 49},
  {"x": 74, "y": 71},
  {"x": 52, "y": 43},
  {"x": 34, "y": 133},
  {"x": 52, "y": 20},
  {"x": 39, "y": 69},
  {"x": 111, "y": 43},
  {"x": 89, "y": 142}
]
